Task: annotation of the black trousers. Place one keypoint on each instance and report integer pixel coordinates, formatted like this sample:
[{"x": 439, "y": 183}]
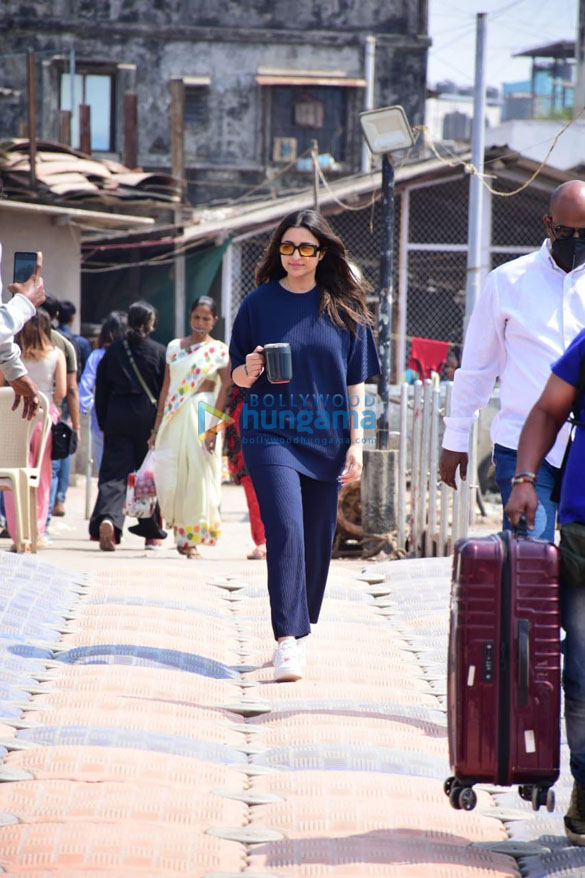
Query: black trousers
[
  {"x": 129, "y": 422},
  {"x": 299, "y": 516}
]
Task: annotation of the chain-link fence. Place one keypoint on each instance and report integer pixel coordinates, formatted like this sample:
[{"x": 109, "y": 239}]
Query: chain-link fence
[{"x": 433, "y": 251}]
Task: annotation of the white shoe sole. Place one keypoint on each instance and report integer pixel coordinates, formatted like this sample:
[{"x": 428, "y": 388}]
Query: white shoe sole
[
  {"x": 287, "y": 676},
  {"x": 107, "y": 537}
]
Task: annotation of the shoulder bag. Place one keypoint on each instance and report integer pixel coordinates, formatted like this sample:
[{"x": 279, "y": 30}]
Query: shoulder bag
[
  {"x": 64, "y": 441},
  {"x": 152, "y": 399}
]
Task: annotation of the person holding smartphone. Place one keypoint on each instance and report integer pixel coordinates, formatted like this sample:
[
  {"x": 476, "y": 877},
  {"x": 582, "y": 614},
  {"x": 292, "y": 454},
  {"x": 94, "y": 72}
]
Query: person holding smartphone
[{"x": 27, "y": 295}]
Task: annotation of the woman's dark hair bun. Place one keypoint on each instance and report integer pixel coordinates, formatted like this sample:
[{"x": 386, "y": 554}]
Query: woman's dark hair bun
[{"x": 142, "y": 317}]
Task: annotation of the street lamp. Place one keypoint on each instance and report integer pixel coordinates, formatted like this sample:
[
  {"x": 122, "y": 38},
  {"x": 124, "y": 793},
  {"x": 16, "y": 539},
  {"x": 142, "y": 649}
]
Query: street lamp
[{"x": 386, "y": 130}]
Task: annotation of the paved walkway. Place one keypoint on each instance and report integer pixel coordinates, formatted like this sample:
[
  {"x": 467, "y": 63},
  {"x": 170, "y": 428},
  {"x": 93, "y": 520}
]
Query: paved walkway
[{"x": 141, "y": 734}]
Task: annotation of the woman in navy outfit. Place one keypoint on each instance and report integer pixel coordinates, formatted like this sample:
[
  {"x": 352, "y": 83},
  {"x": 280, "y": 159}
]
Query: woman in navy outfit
[{"x": 303, "y": 439}]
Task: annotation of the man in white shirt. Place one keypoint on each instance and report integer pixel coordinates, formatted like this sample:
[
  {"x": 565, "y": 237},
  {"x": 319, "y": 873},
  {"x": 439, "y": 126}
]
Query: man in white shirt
[
  {"x": 530, "y": 310},
  {"x": 26, "y": 298}
]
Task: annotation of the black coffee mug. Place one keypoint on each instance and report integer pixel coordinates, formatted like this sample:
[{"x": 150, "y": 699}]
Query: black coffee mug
[{"x": 278, "y": 360}]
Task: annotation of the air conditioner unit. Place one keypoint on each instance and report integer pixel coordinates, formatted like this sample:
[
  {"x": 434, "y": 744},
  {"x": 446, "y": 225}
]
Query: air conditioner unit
[{"x": 284, "y": 149}]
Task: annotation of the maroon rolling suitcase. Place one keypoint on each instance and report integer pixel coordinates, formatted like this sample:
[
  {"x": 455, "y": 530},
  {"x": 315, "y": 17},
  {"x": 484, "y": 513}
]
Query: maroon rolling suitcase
[{"x": 504, "y": 671}]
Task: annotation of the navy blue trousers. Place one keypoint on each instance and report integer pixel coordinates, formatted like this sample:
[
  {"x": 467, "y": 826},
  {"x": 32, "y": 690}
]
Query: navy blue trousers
[{"x": 299, "y": 516}]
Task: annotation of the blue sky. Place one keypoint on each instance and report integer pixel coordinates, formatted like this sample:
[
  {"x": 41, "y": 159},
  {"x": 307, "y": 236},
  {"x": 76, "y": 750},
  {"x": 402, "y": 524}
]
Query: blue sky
[{"x": 512, "y": 26}]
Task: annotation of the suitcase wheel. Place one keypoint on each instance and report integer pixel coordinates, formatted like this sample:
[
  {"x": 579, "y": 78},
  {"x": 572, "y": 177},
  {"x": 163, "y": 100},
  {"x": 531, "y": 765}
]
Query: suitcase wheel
[
  {"x": 461, "y": 798},
  {"x": 543, "y": 796},
  {"x": 448, "y": 785},
  {"x": 467, "y": 799}
]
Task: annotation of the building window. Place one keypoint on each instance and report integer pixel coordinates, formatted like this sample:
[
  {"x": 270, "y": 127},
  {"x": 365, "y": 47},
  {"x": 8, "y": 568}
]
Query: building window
[
  {"x": 308, "y": 113},
  {"x": 96, "y": 90},
  {"x": 305, "y": 113},
  {"x": 196, "y": 105}
]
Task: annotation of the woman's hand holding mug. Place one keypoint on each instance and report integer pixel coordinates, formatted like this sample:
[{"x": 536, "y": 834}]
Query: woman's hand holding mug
[{"x": 254, "y": 365}]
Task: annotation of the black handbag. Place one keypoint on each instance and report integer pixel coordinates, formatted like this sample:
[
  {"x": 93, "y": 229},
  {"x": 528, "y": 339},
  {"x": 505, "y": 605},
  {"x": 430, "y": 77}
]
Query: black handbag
[{"x": 64, "y": 441}]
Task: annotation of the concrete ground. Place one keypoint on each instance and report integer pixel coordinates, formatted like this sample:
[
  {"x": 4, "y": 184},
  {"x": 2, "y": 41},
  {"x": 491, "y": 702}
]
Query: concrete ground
[
  {"x": 141, "y": 733},
  {"x": 70, "y": 546}
]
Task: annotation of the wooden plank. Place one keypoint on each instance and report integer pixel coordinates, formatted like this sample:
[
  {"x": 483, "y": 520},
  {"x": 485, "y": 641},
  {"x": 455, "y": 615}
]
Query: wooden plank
[
  {"x": 85, "y": 128},
  {"x": 131, "y": 130},
  {"x": 177, "y": 123},
  {"x": 32, "y": 117},
  {"x": 65, "y": 127}
]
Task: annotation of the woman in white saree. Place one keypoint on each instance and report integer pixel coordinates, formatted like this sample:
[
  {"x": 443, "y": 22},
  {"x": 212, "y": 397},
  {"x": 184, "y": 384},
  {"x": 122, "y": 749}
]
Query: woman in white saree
[{"x": 187, "y": 464}]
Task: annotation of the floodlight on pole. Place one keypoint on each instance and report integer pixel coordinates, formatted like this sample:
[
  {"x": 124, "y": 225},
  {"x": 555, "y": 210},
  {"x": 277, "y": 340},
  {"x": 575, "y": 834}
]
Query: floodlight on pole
[{"x": 386, "y": 130}]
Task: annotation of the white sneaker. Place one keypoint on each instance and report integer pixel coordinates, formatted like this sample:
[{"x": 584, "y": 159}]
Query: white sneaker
[
  {"x": 302, "y": 651},
  {"x": 287, "y": 667}
]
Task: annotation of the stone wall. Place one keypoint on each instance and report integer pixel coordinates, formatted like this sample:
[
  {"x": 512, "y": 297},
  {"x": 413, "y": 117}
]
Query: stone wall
[{"x": 226, "y": 41}]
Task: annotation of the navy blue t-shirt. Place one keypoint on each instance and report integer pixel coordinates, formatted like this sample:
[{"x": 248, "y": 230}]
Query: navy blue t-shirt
[
  {"x": 305, "y": 423},
  {"x": 572, "y": 502}
]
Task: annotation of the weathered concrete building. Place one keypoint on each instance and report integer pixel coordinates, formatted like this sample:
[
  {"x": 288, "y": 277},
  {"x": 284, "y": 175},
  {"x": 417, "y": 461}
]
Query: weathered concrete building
[{"x": 261, "y": 78}]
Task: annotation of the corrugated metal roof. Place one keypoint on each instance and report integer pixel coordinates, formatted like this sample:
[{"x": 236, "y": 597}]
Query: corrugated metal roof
[
  {"x": 65, "y": 174},
  {"x": 355, "y": 190}
]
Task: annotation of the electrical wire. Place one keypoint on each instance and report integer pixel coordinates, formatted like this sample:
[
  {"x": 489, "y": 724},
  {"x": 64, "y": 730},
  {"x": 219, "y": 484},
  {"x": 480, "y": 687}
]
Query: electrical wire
[
  {"x": 375, "y": 194},
  {"x": 500, "y": 11},
  {"x": 267, "y": 180},
  {"x": 472, "y": 169}
]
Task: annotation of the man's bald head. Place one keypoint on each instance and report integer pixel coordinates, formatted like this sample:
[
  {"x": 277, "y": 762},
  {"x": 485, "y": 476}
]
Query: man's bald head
[
  {"x": 565, "y": 222},
  {"x": 568, "y": 198}
]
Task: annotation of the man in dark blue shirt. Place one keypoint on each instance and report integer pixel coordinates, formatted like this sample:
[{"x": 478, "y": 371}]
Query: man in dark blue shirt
[
  {"x": 66, "y": 315},
  {"x": 545, "y": 420}
]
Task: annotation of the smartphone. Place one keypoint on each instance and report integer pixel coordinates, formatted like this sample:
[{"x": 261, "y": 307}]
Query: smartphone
[{"x": 24, "y": 265}]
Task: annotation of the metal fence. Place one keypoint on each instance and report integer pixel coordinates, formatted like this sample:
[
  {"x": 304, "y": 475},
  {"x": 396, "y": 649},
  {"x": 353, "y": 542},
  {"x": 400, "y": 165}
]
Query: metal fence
[
  {"x": 430, "y": 252},
  {"x": 431, "y": 516}
]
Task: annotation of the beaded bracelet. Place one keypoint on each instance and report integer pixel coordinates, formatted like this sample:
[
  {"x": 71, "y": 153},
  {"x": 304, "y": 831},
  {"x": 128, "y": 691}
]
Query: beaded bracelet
[{"x": 522, "y": 478}]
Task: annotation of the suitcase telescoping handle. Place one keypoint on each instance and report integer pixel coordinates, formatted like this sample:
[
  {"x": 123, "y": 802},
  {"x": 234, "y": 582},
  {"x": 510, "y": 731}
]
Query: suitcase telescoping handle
[
  {"x": 523, "y": 662},
  {"x": 521, "y": 530}
]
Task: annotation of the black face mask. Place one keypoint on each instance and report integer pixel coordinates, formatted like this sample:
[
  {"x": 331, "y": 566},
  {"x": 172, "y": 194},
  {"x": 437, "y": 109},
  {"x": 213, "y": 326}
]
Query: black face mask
[{"x": 569, "y": 253}]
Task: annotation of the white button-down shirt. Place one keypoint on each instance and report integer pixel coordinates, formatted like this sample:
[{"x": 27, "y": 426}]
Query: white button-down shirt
[{"x": 529, "y": 312}]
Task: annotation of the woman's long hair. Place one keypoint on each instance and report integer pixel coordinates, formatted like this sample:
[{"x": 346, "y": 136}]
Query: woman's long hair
[
  {"x": 142, "y": 317},
  {"x": 113, "y": 328},
  {"x": 343, "y": 291},
  {"x": 34, "y": 339}
]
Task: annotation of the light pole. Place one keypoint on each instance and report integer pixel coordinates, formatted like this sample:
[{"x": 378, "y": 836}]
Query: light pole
[{"x": 386, "y": 130}]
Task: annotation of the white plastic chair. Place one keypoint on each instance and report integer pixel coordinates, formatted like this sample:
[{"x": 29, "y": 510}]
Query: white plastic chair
[{"x": 16, "y": 474}]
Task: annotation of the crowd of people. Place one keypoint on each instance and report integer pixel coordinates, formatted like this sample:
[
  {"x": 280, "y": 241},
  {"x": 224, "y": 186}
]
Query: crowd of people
[
  {"x": 145, "y": 398},
  {"x": 529, "y": 320}
]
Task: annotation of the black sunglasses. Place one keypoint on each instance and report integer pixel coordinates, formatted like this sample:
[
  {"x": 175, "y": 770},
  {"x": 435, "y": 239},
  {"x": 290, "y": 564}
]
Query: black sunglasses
[
  {"x": 287, "y": 248},
  {"x": 566, "y": 231}
]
